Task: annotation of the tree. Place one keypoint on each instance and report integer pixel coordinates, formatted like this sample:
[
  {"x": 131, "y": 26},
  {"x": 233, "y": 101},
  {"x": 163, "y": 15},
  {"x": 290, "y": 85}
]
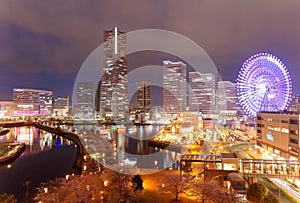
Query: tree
[
  {"x": 174, "y": 184},
  {"x": 257, "y": 192},
  {"x": 137, "y": 183},
  {"x": 74, "y": 188},
  {"x": 120, "y": 187},
  {"x": 204, "y": 190},
  {"x": 109, "y": 187},
  {"x": 7, "y": 198},
  {"x": 270, "y": 198}
]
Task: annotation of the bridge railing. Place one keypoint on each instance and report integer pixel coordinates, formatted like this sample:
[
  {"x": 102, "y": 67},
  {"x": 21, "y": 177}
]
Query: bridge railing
[
  {"x": 270, "y": 168},
  {"x": 252, "y": 167},
  {"x": 200, "y": 157}
]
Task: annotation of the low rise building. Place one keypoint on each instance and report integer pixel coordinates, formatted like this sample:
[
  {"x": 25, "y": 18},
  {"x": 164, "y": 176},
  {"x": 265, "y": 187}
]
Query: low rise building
[
  {"x": 32, "y": 102},
  {"x": 61, "y": 106},
  {"x": 278, "y": 132},
  {"x": 6, "y": 108}
]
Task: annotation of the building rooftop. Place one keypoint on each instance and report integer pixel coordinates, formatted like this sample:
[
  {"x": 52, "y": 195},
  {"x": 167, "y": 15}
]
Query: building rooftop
[{"x": 279, "y": 112}]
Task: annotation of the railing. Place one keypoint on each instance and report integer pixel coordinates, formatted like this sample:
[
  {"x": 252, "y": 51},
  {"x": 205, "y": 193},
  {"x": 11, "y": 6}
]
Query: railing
[
  {"x": 270, "y": 168},
  {"x": 201, "y": 158},
  {"x": 251, "y": 167}
]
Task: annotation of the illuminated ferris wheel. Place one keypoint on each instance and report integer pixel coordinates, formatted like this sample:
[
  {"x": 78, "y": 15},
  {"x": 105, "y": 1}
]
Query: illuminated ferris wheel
[{"x": 263, "y": 84}]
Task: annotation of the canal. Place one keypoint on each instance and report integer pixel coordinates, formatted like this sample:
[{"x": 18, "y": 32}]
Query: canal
[
  {"x": 44, "y": 158},
  {"x": 48, "y": 156}
]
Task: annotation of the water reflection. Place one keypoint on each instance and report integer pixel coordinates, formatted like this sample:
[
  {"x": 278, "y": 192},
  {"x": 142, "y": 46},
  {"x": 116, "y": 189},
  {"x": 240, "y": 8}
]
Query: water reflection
[
  {"x": 42, "y": 160},
  {"x": 124, "y": 143},
  {"x": 35, "y": 139},
  {"x": 133, "y": 144}
]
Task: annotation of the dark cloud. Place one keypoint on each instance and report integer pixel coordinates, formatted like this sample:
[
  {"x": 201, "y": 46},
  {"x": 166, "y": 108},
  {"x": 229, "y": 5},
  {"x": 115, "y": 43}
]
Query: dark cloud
[{"x": 40, "y": 38}]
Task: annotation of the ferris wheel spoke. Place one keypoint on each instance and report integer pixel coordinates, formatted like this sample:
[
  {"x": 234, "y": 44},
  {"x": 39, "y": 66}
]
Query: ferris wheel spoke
[{"x": 269, "y": 71}]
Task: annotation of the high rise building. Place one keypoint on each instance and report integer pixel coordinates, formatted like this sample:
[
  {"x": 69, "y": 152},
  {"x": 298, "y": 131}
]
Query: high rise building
[
  {"x": 227, "y": 98},
  {"x": 202, "y": 92},
  {"x": 294, "y": 103},
  {"x": 298, "y": 103},
  {"x": 32, "y": 101},
  {"x": 174, "y": 86},
  {"x": 143, "y": 96},
  {"x": 84, "y": 107},
  {"x": 61, "y": 106},
  {"x": 113, "y": 86}
]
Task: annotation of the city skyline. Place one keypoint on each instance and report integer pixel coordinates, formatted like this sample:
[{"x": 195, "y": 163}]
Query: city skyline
[
  {"x": 150, "y": 101},
  {"x": 57, "y": 50}
]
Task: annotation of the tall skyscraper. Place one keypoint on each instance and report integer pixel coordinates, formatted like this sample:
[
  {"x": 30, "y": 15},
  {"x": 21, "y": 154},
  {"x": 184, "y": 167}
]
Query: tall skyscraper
[
  {"x": 202, "y": 92},
  {"x": 113, "y": 86},
  {"x": 293, "y": 103},
  {"x": 32, "y": 101},
  {"x": 84, "y": 108},
  {"x": 174, "y": 86},
  {"x": 227, "y": 97},
  {"x": 143, "y": 96}
]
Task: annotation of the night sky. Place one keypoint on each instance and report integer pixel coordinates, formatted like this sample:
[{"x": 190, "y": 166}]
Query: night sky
[{"x": 44, "y": 43}]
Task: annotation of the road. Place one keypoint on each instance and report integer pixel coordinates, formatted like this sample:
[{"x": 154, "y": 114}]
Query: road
[{"x": 274, "y": 189}]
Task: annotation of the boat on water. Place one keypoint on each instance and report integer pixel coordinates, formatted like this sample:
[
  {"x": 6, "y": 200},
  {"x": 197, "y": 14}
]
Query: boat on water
[
  {"x": 4, "y": 131},
  {"x": 10, "y": 151}
]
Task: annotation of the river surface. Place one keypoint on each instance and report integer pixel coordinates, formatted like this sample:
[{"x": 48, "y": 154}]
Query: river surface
[
  {"x": 44, "y": 158},
  {"x": 48, "y": 156}
]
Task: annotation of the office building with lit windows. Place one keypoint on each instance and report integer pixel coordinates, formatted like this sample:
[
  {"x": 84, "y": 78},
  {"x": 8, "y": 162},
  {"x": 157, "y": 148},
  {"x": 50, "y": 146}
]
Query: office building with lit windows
[
  {"x": 174, "y": 86},
  {"x": 227, "y": 100},
  {"x": 113, "y": 99},
  {"x": 84, "y": 106},
  {"x": 202, "y": 93},
  {"x": 293, "y": 103},
  {"x": 278, "y": 132},
  {"x": 32, "y": 101},
  {"x": 61, "y": 106},
  {"x": 143, "y": 96}
]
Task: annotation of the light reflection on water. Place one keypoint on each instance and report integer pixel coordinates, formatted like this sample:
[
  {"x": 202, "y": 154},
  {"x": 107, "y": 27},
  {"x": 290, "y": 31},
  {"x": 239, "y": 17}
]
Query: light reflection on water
[
  {"x": 131, "y": 143},
  {"x": 41, "y": 161},
  {"x": 35, "y": 139},
  {"x": 44, "y": 160}
]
